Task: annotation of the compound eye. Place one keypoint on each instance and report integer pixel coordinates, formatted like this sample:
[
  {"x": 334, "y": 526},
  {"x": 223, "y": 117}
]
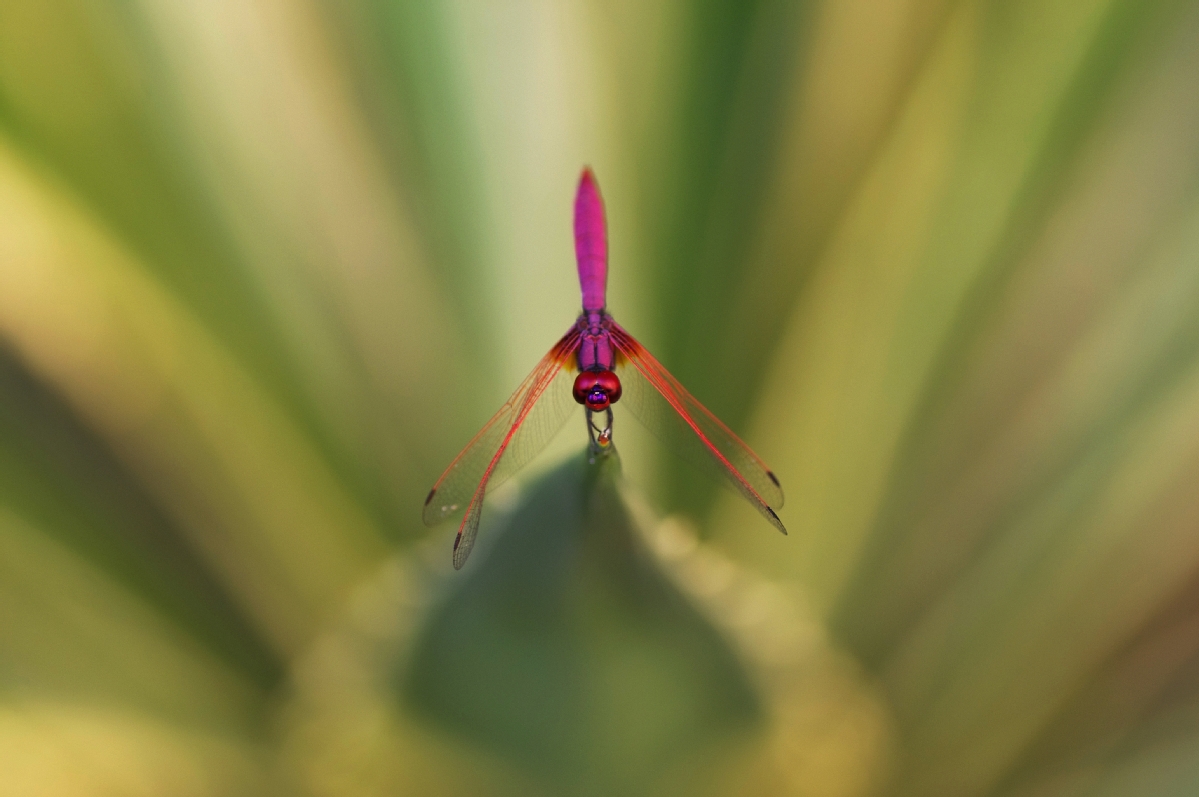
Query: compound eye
[
  {"x": 596, "y": 389},
  {"x": 584, "y": 384},
  {"x": 610, "y": 384}
]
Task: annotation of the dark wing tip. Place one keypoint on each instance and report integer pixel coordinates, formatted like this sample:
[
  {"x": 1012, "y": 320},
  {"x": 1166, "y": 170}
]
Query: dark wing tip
[
  {"x": 461, "y": 555},
  {"x": 778, "y": 523},
  {"x": 458, "y": 560},
  {"x": 769, "y": 473},
  {"x": 429, "y": 497}
]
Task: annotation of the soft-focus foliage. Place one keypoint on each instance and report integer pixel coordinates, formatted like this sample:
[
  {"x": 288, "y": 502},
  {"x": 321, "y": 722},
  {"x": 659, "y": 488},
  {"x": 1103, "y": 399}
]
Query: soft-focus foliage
[{"x": 265, "y": 265}]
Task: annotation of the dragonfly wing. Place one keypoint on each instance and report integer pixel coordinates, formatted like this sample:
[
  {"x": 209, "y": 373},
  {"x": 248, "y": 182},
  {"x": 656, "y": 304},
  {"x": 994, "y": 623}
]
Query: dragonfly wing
[
  {"x": 672, "y": 414},
  {"x": 514, "y": 435},
  {"x": 544, "y": 411}
]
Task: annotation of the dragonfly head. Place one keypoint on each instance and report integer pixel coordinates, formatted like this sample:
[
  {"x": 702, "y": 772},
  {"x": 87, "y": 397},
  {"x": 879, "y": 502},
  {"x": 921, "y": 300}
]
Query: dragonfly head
[{"x": 597, "y": 389}]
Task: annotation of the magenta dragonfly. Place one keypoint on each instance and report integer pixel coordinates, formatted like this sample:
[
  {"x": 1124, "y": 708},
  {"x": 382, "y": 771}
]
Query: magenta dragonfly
[{"x": 611, "y": 367}]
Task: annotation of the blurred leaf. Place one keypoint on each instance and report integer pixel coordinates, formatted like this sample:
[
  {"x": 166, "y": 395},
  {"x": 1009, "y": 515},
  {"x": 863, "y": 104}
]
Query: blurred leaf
[
  {"x": 67, "y": 484},
  {"x": 715, "y": 145},
  {"x": 415, "y": 91},
  {"x": 567, "y": 651},
  {"x": 1083, "y": 180},
  {"x": 57, "y": 750},
  {"x": 70, "y": 634},
  {"x": 217, "y": 453},
  {"x": 78, "y": 90}
]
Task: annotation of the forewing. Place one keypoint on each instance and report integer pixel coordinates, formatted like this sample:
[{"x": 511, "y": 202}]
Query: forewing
[
  {"x": 523, "y": 427},
  {"x": 672, "y": 414},
  {"x": 524, "y": 439}
]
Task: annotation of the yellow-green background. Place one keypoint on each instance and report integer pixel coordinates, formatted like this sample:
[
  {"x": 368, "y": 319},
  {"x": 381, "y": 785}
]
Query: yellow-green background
[{"x": 265, "y": 265}]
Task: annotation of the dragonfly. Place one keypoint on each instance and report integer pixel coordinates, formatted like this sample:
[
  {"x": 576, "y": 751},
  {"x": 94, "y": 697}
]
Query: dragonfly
[{"x": 596, "y": 364}]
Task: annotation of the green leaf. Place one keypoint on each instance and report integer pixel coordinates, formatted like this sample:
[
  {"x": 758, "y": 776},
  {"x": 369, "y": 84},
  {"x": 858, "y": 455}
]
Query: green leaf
[{"x": 567, "y": 650}]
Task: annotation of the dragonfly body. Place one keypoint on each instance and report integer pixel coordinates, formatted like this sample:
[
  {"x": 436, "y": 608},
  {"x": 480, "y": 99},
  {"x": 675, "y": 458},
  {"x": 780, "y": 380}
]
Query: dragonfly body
[
  {"x": 611, "y": 367},
  {"x": 596, "y": 354}
]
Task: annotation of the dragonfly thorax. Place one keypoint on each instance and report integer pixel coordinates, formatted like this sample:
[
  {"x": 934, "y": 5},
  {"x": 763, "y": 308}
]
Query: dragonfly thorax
[
  {"x": 595, "y": 352},
  {"x": 597, "y": 390}
]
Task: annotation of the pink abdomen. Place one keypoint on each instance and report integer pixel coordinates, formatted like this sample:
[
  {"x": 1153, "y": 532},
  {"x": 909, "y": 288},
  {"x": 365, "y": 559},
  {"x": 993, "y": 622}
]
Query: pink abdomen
[{"x": 591, "y": 243}]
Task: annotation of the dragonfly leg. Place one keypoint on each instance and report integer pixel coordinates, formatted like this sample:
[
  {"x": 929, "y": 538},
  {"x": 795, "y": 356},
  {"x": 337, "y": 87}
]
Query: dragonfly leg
[{"x": 601, "y": 439}]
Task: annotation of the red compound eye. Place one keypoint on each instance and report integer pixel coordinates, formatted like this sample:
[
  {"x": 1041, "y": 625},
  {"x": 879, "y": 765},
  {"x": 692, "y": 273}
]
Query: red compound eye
[
  {"x": 610, "y": 384},
  {"x": 583, "y": 384},
  {"x": 597, "y": 389}
]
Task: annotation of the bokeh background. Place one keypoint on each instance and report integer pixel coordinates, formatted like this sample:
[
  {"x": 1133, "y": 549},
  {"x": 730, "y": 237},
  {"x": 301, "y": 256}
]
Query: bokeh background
[{"x": 265, "y": 265}]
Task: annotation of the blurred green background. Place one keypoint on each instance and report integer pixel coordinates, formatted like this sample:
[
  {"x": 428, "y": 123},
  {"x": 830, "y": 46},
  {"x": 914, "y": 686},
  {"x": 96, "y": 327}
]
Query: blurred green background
[{"x": 265, "y": 266}]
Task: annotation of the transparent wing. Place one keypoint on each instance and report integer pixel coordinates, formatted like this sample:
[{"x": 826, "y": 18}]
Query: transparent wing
[
  {"x": 506, "y": 443},
  {"x": 673, "y": 415}
]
